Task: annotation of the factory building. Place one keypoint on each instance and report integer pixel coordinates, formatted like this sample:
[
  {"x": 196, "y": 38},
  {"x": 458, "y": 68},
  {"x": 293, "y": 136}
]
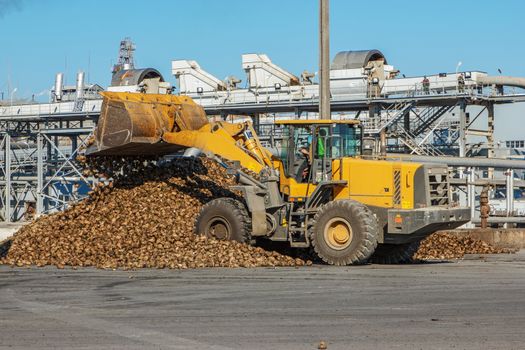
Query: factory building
[{"x": 437, "y": 117}]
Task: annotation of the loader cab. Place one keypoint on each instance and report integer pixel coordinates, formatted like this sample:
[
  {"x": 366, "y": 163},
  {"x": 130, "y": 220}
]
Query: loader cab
[{"x": 309, "y": 146}]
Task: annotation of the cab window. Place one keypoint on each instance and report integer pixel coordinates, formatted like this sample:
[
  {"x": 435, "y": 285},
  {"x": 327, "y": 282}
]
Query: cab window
[
  {"x": 295, "y": 147},
  {"x": 347, "y": 139},
  {"x": 338, "y": 140}
]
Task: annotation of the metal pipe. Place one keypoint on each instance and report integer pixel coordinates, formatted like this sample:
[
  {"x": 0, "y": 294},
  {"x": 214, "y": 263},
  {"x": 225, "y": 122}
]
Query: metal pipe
[
  {"x": 485, "y": 182},
  {"x": 461, "y": 161},
  {"x": 501, "y": 220},
  {"x": 26, "y": 179},
  {"x": 7, "y": 159},
  {"x": 324, "y": 60},
  {"x": 39, "y": 174}
]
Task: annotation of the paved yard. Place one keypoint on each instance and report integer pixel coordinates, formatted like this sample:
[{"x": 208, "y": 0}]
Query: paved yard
[{"x": 471, "y": 304}]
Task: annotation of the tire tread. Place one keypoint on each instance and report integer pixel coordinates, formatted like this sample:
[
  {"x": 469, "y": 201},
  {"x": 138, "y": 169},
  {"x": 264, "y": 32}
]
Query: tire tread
[{"x": 367, "y": 224}]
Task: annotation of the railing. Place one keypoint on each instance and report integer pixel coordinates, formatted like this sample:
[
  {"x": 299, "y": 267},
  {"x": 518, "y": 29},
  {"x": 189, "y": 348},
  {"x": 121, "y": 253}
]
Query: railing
[
  {"x": 286, "y": 94},
  {"x": 45, "y": 109}
]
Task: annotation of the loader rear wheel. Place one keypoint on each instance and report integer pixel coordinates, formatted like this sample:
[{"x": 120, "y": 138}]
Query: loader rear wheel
[
  {"x": 395, "y": 253},
  {"x": 224, "y": 219},
  {"x": 344, "y": 232}
]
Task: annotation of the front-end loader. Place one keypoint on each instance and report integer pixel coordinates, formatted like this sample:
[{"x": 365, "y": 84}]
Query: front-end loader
[{"x": 314, "y": 190}]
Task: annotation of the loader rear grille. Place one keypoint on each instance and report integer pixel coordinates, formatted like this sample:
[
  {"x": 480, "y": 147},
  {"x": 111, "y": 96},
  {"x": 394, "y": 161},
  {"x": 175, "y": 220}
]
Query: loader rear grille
[{"x": 438, "y": 187}]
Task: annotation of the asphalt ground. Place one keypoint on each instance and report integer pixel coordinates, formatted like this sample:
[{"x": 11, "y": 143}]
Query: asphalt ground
[{"x": 476, "y": 303}]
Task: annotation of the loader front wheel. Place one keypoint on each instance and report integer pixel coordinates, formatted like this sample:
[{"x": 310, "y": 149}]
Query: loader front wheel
[
  {"x": 224, "y": 219},
  {"x": 344, "y": 232}
]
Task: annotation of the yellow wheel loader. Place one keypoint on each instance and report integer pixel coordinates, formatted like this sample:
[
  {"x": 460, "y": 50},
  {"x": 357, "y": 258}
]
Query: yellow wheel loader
[{"x": 314, "y": 190}]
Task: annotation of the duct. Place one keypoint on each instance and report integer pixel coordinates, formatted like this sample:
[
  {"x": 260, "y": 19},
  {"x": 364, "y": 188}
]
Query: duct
[
  {"x": 461, "y": 161},
  {"x": 500, "y": 80},
  {"x": 355, "y": 59},
  {"x": 59, "y": 85},
  {"x": 80, "y": 85}
]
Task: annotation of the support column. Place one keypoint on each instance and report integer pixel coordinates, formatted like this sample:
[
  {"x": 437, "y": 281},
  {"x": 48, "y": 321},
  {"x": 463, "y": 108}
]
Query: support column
[
  {"x": 462, "y": 142},
  {"x": 382, "y": 138},
  {"x": 471, "y": 193},
  {"x": 40, "y": 174},
  {"x": 7, "y": 199},
  {"x": 462, "y": 128},
  {"x": 256, "y": 123},
  {"x": 324, "y": 60},
  {"x": 380, "y": 145},
  {"x": 490, "y": 136},
  {"x": 406, "y": 121},
  {"x": 510, "y": 191},
  {"x": 74, "y": 145}
]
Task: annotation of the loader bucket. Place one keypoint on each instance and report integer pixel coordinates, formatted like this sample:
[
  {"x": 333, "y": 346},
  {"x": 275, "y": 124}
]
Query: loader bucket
[{"x": 133, "y": 124}]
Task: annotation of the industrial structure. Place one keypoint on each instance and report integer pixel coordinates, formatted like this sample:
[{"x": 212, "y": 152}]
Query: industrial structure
[{"x": 434, "y": 116}]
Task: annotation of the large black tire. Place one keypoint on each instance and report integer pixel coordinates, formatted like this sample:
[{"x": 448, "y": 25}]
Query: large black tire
[
  {"x": 344, "y": 232},
  {"x": 224, "y": 219},
  {"x": 395, "y": 253}
]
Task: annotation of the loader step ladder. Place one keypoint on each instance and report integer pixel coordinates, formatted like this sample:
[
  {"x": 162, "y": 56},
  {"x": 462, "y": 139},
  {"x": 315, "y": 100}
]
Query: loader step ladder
[
  {"x": 299, "y": 220},
  {"x": 298, "y": 225}
]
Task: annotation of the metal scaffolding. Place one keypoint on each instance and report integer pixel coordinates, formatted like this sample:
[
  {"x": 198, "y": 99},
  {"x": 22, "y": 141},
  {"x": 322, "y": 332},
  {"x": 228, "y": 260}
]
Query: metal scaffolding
[
  {"x": 39, "y": 172},
  {"x": 39, "y": 143}
]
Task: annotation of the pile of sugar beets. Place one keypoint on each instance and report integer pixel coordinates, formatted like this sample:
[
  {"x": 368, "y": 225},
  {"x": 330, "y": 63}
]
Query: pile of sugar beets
[
  {"x": 142, "y": 214},
  {"x": 144, "y": 217}
]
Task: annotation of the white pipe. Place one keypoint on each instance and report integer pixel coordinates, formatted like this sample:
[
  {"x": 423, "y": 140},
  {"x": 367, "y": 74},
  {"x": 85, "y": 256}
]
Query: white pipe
[
  {"x": 59, "y": 84},
  {"x": 80, "y": 85},
  {"x": 500, "y": 80}
]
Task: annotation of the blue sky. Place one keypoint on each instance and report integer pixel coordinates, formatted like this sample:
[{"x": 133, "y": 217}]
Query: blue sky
[{"x": 41, "y": 37}]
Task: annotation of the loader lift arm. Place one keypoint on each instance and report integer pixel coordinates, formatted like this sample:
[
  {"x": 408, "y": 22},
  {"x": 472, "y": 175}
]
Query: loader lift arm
[{"x": 148, "y": 124}]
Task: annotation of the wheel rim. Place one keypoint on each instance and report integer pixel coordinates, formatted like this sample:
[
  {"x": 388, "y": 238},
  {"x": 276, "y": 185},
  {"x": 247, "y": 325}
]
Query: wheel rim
[
  {"x": 218, "y": 228},
  {"x": 338, "y": 233}
]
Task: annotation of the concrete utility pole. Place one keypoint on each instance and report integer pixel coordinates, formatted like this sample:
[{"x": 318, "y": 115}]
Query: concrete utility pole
[{"x": 324, "y": 60}]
